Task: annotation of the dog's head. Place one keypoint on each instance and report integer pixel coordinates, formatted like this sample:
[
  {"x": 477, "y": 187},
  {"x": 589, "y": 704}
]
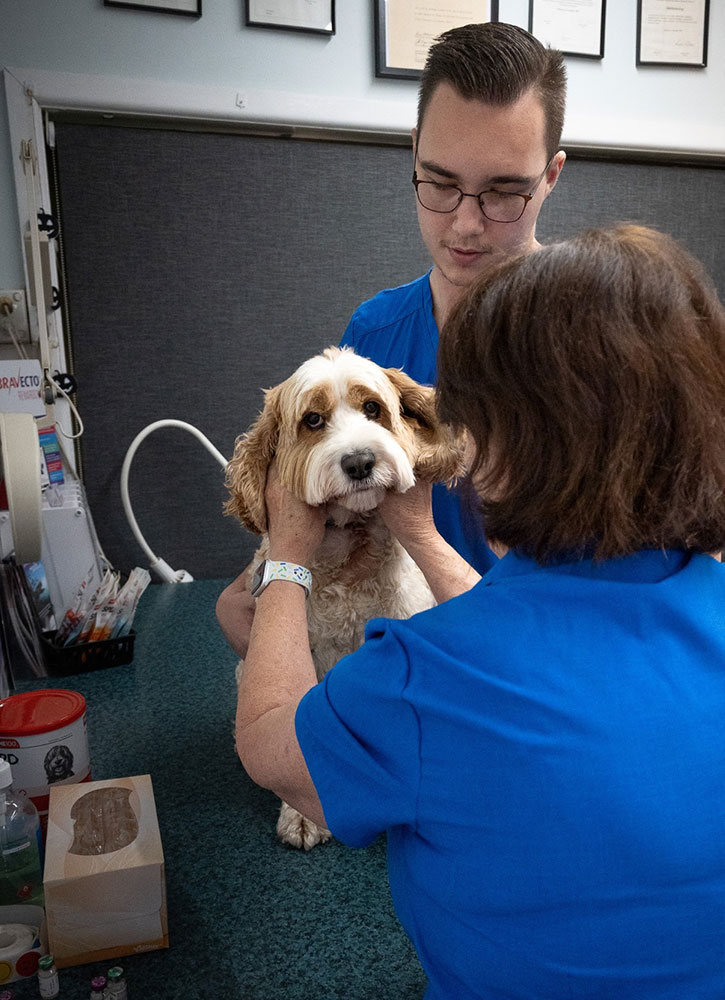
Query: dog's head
[{"x": 344, "y": 430}]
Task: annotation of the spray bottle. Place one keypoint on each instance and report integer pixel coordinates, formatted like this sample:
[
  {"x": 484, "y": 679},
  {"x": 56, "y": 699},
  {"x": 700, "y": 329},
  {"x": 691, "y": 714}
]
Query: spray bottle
[{"x": 21, "y": 873}]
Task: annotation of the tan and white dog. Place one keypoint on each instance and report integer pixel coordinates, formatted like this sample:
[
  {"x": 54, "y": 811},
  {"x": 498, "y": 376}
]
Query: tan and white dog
[{"x": 344, "y": 431}]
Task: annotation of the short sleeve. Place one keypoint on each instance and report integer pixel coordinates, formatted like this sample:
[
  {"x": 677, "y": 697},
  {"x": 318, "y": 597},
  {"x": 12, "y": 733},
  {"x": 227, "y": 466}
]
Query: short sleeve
[{"x": 360, "y": 738}]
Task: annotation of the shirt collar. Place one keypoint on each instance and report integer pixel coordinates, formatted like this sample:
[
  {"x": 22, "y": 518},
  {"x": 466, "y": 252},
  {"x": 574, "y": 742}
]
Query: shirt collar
[{"x": 646, "y": 566}]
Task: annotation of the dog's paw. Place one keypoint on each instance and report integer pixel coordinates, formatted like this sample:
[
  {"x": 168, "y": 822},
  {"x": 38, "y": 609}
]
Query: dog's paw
[{"x": 296, "y": 830}]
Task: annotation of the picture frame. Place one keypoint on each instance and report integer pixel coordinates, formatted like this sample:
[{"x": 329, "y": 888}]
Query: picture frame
[
  {"x": 574, "y": 28},
  {"x": 668, "y": 38},
  {"x": 315, "y": 16},
  {"x": 187, "y": 8},
  {"x": 404, "y": 30}
]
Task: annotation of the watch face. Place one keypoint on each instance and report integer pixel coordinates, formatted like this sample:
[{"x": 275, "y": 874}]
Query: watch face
[{"x": 258, "y": 577}]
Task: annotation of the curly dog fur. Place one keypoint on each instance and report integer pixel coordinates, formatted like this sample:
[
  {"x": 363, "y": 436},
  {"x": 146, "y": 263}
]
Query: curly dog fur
[{"x": 344, "y": 431}]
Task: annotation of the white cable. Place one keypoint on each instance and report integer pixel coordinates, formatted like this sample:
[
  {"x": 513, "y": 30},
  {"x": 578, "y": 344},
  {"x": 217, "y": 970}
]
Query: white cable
[
  {"x": 22, "y": 353},
  {"x": 81, "y": 428},
  {"x": 29, "y": 157},
  {"x": 159, "y": 566}
]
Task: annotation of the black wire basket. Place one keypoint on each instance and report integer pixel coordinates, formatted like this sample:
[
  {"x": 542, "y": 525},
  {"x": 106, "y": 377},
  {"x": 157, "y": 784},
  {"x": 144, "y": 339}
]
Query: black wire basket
[{"x": 60, "y": 661}]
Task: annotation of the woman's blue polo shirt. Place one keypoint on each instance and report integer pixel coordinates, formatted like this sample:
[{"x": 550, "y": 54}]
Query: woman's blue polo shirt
[{"x": 547, "y": 755}]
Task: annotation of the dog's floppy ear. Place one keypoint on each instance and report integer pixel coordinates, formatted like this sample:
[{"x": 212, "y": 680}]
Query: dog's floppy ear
[
  {"x": 246, "y": 473},
  {"x": 440, "y": 456}
]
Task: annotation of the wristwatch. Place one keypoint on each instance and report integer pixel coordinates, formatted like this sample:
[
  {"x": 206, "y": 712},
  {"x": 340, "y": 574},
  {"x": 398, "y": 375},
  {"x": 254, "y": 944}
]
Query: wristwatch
[{"x": 269, "y": 570}]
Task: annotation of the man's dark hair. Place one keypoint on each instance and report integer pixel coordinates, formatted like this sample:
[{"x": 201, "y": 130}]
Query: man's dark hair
[
  {"x": 591, "y": 377},
  {"x": 497, "y": 63}
]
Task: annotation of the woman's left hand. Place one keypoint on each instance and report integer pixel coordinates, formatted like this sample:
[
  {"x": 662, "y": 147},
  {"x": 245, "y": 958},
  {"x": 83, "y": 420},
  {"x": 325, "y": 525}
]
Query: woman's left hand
[{"x": 409, "y": 515}]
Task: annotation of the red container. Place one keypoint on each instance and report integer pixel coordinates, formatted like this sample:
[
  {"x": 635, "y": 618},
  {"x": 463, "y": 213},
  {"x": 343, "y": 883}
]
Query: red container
[{"x": 43, "y": 736}]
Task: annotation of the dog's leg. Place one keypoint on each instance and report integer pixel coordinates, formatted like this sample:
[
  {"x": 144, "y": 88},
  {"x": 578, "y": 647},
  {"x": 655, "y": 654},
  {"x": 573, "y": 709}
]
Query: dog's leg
[{"x": 294, "y": 829}]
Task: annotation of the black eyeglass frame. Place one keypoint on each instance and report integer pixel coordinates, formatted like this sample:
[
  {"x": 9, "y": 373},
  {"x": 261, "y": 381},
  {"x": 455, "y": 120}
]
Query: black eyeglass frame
[{"x": 463, "y": 194}]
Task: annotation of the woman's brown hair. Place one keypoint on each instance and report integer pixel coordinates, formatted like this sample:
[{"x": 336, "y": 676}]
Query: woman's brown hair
[{"x": 591, "y": 376}]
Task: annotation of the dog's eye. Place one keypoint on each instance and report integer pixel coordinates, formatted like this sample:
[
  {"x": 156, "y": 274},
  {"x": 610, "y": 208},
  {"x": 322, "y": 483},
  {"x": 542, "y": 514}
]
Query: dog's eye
[
  {"x": 371, "y": 409},
  {"x": 315, "y": 421}
]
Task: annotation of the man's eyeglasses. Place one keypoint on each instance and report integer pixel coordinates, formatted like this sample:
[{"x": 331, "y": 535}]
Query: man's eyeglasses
[{"x": 497, "y": 206}]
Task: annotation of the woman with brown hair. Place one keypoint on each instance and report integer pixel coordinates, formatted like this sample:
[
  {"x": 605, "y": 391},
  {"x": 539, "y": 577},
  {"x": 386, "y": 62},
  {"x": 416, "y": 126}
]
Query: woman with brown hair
[
  {"x": 591, "y": 378},
  {"x": 546, "y": 749}
]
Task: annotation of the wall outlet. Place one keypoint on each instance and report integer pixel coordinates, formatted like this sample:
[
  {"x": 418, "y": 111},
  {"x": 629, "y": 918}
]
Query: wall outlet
[{"x": 14, "y": 317}]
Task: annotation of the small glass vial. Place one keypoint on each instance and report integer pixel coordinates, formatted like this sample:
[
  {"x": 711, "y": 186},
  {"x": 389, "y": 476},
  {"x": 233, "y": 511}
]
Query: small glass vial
[
  {"x": 48, "y": 985},
  {"x": 116, "y": 984},
  {"x": 98, "y": 988}
]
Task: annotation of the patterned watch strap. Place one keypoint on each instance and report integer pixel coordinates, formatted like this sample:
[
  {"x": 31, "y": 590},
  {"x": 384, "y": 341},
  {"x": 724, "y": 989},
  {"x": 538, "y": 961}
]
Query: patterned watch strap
[{"x": 292, "y": 572}]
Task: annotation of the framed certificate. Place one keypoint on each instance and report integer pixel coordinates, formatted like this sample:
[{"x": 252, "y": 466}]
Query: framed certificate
[
  {"x": 293, "y": 15},
  {"x": 405, "y": 30},
  {"x": 191, "y": 8},
  {"x": 672, "y": 34},
  {"x": 575, "y": 27}
]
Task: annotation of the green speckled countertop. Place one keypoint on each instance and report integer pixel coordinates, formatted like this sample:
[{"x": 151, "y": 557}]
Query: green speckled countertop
[{"x": 248, "y": 917}]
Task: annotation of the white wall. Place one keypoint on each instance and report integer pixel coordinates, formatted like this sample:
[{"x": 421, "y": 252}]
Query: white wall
[{"x": 82, "y": 54}]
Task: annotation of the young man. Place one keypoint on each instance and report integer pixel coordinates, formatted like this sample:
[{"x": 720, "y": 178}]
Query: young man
[{"x": 486, "y": 155}]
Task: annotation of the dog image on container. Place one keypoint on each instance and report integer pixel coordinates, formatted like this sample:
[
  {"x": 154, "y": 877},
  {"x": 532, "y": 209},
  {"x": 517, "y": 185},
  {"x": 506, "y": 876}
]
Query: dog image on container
[
  {"x": 344, "y": 431},
  {"x": 58, "y": 764}
]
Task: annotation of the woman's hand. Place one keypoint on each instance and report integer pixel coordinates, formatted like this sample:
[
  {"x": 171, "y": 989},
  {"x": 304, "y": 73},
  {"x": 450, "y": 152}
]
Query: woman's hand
[
  {"x": 409, "y": 515},
  {"x": 294, "y": 528},
  {"x": 278, "y": 669}
]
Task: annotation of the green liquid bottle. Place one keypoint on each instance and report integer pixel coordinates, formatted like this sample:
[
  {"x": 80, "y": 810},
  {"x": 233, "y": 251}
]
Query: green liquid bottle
[
  {"x": 117, "y": 984},
  {"x": 21, "y": 872},
  {"x": 48, "y": 982}
]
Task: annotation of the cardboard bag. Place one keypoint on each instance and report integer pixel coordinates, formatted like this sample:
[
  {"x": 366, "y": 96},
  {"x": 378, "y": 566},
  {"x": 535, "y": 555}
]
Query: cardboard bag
[{"x": 104, "y": 882}]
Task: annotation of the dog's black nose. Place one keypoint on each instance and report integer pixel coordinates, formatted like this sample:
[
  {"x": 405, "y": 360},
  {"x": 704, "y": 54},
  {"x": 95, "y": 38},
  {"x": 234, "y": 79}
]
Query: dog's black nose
[{"x": 358, "y": 465}]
